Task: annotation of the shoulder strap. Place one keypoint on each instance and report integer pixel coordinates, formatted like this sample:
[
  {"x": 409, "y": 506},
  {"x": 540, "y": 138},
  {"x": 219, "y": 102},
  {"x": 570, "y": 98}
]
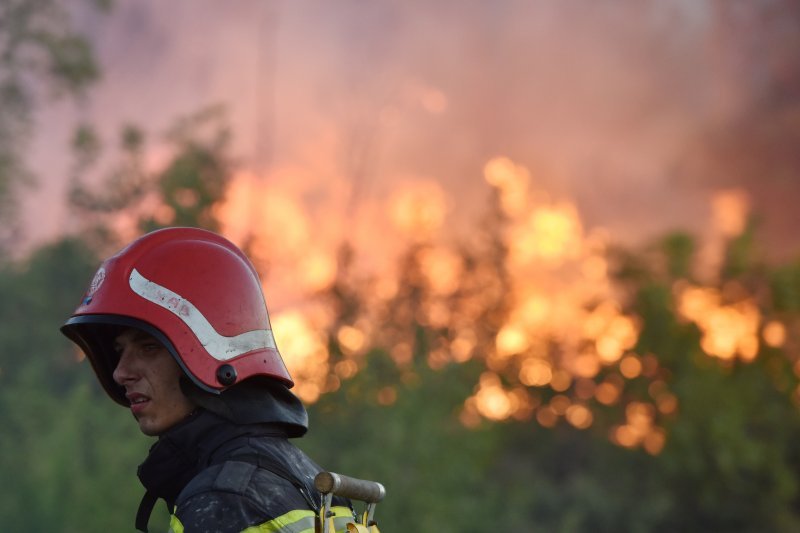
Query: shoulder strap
[
  {"x": 145, "y": 510},
  {"x": 281, "y": 471}
]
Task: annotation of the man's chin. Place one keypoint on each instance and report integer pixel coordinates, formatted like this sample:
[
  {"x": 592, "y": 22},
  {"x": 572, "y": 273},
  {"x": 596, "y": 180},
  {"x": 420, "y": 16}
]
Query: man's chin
[{"x": 149, "y": 429}]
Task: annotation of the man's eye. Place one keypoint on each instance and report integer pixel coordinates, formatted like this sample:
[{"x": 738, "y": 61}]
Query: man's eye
[{"x": 151, "y": 347}]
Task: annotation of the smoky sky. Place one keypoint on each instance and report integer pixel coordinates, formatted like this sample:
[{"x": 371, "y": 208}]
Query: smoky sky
[{"x": 631, "y": 109}]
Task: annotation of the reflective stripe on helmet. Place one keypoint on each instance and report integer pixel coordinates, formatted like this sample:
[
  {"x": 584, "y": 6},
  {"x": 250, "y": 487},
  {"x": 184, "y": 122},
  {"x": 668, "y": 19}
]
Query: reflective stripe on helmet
[{"x": 220, "y": 347}]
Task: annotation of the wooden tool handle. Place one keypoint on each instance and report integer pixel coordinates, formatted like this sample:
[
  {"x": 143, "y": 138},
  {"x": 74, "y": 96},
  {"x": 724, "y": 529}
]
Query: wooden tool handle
[{"x": 349, "y": 487}]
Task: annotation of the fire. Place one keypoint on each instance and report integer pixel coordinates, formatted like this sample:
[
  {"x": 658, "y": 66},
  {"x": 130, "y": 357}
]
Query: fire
[
  {"x": 728, "y": 330},
  {"x": 579, "y": 416},
  {"x": 462, "y": 346},
  {"x": 351, "y": 339},
  {"x": 536, "y": 372},
  {"x": 612, "y": 332},
  {"x": 442, "y": 269},
  {"x": 491, "y": 400},
  {"x": 564, "y": 323},
  {"x": 511, "y": 340},
  {"x": 630, "y": 367},
  {"x": 511, "y": 180},
  {"x": 550, "y": 233},
  {"x": 774, "y": 334},
  {"x": 585, "y": 365},
  {"x": 640, "y": 429},
  {"x": 387, "y": 396},
  {"x": 271, "y": 223},
  {"x": 533, "y": 310},
  {"x": 304, "y": 350},
  {"x": 608, "y": 393},
  {"x": 418, "y": 209},
  {"x": 562, "y": 330}
]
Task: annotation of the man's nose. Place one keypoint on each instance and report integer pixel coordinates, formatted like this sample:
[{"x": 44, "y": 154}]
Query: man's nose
[{"x": 125, "y": 370}]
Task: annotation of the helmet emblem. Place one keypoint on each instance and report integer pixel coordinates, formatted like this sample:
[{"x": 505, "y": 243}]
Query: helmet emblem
[{"x": 97, "y": 280}]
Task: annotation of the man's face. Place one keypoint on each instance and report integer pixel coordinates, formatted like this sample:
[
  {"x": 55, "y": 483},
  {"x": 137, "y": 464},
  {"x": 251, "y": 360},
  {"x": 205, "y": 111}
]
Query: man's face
[{"x": 150, "y": 377}]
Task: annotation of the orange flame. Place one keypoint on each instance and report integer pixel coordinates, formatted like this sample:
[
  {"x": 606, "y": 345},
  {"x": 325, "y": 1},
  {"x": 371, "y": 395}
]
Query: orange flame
[
  {"x": 304, "y": 350},
  {"x": 563, "y": 325},
  {"x": 418, "y": 209},
  {"x": 511, "y": 180},
  {"x": 728, "y": 330}
]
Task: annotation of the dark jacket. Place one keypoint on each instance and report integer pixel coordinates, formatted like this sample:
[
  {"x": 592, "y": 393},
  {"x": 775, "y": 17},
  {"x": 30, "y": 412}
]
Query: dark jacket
[{"x": 220, "y": 476}]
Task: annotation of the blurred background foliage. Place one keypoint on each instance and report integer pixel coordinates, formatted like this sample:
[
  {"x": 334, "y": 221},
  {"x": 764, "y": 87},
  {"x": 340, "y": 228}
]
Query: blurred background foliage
[{"x": 530, "y": 379}]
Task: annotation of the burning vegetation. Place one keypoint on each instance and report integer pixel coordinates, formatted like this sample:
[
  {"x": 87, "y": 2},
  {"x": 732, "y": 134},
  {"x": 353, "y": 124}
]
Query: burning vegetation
[{"x": 532, "y": 296}]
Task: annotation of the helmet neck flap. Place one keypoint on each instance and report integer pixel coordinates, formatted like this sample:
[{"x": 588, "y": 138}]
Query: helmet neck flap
[{"x": 254, "y": 401}]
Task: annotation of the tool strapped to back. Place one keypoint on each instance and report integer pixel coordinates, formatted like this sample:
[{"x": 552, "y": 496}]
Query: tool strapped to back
[{"x": 370, "y": 492}]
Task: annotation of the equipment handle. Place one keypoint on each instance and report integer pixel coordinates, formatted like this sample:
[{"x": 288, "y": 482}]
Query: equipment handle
[{"x": 349, "y": 487}]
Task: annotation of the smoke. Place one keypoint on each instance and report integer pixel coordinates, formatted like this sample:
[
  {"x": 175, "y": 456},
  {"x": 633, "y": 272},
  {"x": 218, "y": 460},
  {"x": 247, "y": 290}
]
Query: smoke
[{"x": 624, "y": 108}]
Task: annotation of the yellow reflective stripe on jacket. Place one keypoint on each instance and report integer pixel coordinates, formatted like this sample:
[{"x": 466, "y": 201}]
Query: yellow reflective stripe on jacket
[
  {"x": 175, "y": 525},
  {"x": 298, "y": 521}
]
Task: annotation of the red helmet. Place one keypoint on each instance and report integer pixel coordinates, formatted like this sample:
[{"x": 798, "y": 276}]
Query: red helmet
[{"x": 194, "y": 291}]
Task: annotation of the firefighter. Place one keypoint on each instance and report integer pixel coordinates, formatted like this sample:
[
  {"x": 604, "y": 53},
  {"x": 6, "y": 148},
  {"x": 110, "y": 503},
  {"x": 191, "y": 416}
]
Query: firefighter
[{"x": 176, "y": 329}]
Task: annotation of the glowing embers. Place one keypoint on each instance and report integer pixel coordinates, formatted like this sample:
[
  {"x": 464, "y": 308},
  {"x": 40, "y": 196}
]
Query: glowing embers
[
  {"x": 511, "y": 339},
  {"x": 495, "y": 402},
  {"x": 491, "y": 400},
  {"x": 579, "y": 416},
  {"x": 387, "y": 396},
  {"x": 728, "y": 329},
  {"x": 555, "y": 348},
  {"x": 351, "y": 339},
  {"x": 774, "y": 334},
  {"x": 562, "y": 324},
  {"x": 666, "y": 402},
  {"x": 611, "y": 331},
  {"x": 536, "y": 372},
  {"x": 640, "y": 429}
]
